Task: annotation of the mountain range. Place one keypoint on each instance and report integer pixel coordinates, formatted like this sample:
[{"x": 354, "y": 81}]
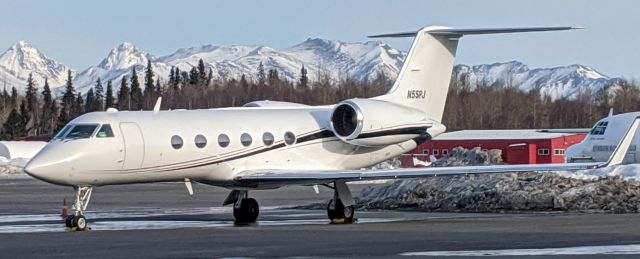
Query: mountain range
[{"x": 319, "y": 56}]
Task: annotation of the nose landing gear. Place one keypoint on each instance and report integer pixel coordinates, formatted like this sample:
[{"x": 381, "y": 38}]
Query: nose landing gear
[{"x": 77, "y": 221}]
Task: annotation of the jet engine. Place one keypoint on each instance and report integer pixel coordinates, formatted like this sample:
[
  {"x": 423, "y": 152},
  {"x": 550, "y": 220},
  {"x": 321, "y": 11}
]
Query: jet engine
[{"x": 369, "y": 122}]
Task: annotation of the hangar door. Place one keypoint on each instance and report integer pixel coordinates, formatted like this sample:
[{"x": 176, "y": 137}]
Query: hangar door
[{"x": 133, "y": 145}]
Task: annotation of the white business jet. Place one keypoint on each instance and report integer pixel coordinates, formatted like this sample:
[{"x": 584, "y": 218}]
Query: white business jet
[
  {"x": 602, "y": 139},
  {"x": 267, "y": 145}
]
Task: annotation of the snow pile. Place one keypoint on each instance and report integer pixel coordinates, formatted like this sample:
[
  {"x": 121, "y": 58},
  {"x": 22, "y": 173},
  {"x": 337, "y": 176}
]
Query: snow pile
[
  {"x": 604, "y": 190},
  {"x": 12, "y": 168}
]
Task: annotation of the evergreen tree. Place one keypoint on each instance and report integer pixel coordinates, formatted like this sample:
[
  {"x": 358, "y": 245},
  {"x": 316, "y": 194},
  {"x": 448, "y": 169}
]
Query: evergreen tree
[
  {"x": 262, "y": 77},
  {"x": 30, "y": 95},
  {"x": 137, "y": 102},
  {"x": 99, "y": 96},
  {"x": 158, "y": 89},
  {"x": 14, "y": 126},
  {"x": 149, "y": 88},
  {"x": 15, "y": 99},
  {"x": 124, "y": 95},
  {"x": 90, "y": 101},
  {"x": 202, "y": 71},
  {"x": 194, "y": 76},
  {"x": 69, "y": 94},
  {"x": 49, "y": 114},
  {"x": 109, "y": 96},
  {"x": 78, "y": 106},
  {"x": 274, "y": 79},
  {"x": 46, "y": 94},
  {"x": 67, "y": 112},
  {"x": 304, "y": 80}
]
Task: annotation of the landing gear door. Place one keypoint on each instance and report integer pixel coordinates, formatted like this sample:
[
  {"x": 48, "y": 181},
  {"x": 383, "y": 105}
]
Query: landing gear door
[{"x": 133, "y": 145}]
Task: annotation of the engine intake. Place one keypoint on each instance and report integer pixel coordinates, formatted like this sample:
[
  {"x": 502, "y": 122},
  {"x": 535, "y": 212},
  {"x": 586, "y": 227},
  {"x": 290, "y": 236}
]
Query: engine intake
[{"x": 370, "y": 122}]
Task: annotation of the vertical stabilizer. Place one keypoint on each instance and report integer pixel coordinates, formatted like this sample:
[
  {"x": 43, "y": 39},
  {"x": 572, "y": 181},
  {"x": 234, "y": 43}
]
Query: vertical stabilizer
[{"x": 424, "y": 79}]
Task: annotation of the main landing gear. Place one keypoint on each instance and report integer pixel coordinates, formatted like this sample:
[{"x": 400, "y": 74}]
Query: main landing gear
[
  {"x": 340, "y": 209},
  {"x": 77, "y": 221},
  {"x": 245, "y": 209}
]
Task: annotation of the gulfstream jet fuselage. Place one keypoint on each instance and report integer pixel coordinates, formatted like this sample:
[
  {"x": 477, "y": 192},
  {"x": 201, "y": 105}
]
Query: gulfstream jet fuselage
[{"x": 272, "y": 144}]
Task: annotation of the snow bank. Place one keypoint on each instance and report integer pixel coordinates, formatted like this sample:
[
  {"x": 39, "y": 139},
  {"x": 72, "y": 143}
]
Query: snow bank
[
  {"x": 614, "y": 190},
  {"x": 12, "y": 168}
]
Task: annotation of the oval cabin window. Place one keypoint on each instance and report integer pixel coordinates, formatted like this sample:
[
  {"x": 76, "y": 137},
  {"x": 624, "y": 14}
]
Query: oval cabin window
[
  {"x": 246, "y": 139},
  {"x": 223, "y": 140},
  {"x": 201, "y": 141},
  {"x": 176, "y": 142},
  {"x": 267, "y": 138},
  {"x": 289, "y": 138}
]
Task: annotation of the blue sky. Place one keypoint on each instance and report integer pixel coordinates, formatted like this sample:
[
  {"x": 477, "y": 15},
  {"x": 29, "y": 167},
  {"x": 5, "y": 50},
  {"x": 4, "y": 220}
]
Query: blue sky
[{"x": 81, "y": 33}]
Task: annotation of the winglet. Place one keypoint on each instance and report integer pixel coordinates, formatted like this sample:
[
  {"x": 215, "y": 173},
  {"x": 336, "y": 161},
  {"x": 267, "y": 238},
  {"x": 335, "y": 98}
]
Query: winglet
[{"x": 623, "y": 146}]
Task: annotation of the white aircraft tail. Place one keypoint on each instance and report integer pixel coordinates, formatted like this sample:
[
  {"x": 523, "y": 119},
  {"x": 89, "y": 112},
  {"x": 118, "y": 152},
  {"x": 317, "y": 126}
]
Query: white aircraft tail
[{"x": 424, "y": 79}]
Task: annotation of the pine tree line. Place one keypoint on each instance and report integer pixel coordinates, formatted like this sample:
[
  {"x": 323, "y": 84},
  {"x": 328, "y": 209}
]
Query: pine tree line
[{"x": 37, "y": 113}]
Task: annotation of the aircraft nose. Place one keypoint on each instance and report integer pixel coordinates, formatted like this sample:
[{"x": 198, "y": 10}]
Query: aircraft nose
[{"x": 47, "y": 168}]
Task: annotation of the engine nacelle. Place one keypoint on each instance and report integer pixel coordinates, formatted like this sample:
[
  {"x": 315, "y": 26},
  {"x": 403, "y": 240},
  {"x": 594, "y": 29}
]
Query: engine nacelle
[{"x": 368, "y": 122}]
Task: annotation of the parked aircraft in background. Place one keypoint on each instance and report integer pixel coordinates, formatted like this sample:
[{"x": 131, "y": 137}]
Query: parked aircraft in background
[
  {"x": 602, "y": 139},
  {"x": 267, "y": 145}
]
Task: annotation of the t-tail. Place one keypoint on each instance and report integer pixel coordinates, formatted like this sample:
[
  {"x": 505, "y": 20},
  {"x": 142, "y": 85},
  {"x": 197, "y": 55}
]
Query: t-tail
[{"x": 424, "y": 79}]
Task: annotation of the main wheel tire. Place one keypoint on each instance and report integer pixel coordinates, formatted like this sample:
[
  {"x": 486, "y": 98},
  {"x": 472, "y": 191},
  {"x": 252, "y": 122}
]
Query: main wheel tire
[
  {"x": 338, "y": 211},
  {"x": 80, "y": 222},
  {"x": 248, "y": 211},
  {"x": 68, "y": 221}
]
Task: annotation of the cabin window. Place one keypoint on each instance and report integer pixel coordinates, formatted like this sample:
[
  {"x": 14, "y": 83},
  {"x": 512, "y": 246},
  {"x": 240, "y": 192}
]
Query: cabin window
[
  {"x": 81, "y": 131},
  {"x": 425, "y": 152},
  {"x": 558, "y": 151},
  {"x": 543, "y": 151},
  {"x": 289, "y": 138},
  {"x": 200, "y": 141},
  {"x": 63, "y": 132},
  {"x": 267, "y": 138},
  {"x": 223, "y": 140},
  {"x": 599, "y": 128},
  {"x": 445, "y": 152},
  {"x": 105, "y": 131},
  {"x": 176, "y": 142},
  {"x": 246, "y": 139}
]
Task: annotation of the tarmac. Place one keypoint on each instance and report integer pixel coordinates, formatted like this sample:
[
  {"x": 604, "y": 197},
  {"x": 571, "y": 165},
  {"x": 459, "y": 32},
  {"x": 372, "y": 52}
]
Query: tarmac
[{"x": 163, "y": 221}]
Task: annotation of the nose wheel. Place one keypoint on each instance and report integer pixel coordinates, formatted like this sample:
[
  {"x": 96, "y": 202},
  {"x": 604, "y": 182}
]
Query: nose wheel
[{"x": 77, "y": 221}]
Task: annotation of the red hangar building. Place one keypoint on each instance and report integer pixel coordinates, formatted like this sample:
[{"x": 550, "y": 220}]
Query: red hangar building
[{"x": 522, "y": 146}]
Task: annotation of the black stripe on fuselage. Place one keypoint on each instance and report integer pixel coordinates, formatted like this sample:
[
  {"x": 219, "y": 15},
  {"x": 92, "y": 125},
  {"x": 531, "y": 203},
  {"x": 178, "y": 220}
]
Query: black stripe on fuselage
[
  {"x": 319, "y": 135},
  {"x": 322, "y": 134}
]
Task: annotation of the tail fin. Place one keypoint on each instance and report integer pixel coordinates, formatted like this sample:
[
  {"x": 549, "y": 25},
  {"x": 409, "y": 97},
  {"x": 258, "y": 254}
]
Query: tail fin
[{"x": 424, "y": 79}]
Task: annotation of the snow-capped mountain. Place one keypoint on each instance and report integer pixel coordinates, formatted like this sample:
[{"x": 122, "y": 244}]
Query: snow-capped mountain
[
  {"x": 319, "y": 56},
  {"x": 557, "y": 82},
  {"x": 118, "y": 63},
  {"x": 21, "y": 59}
]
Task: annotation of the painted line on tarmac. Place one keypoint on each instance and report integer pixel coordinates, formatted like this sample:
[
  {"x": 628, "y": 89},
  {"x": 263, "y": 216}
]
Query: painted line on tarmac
[{"x": 633, "y": 249}]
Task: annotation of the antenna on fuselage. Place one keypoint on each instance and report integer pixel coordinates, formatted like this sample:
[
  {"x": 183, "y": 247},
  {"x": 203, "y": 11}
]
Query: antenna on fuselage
[{"x": 156, "y": 108}]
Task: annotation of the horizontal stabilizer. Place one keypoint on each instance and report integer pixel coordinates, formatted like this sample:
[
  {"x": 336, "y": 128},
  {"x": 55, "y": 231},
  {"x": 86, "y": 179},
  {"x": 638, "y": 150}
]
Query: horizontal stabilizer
[{"x": 461, "y": 32}]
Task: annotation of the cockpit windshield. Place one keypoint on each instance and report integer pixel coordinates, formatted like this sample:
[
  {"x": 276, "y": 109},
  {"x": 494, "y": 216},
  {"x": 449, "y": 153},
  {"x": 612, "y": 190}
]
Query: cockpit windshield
[
  {"x": 63, "y": 132},
  {"x": 81, "y": 131},
  {"x": 599, "y": 128}
]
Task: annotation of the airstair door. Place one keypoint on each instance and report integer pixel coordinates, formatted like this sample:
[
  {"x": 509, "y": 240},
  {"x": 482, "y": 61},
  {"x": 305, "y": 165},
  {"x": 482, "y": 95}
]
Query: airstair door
[{"x": 133, "y": 145}]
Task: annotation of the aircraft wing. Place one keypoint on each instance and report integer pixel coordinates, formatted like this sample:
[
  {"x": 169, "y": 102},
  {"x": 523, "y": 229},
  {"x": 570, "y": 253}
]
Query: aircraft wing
[{"x": 278, "y": 178}]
